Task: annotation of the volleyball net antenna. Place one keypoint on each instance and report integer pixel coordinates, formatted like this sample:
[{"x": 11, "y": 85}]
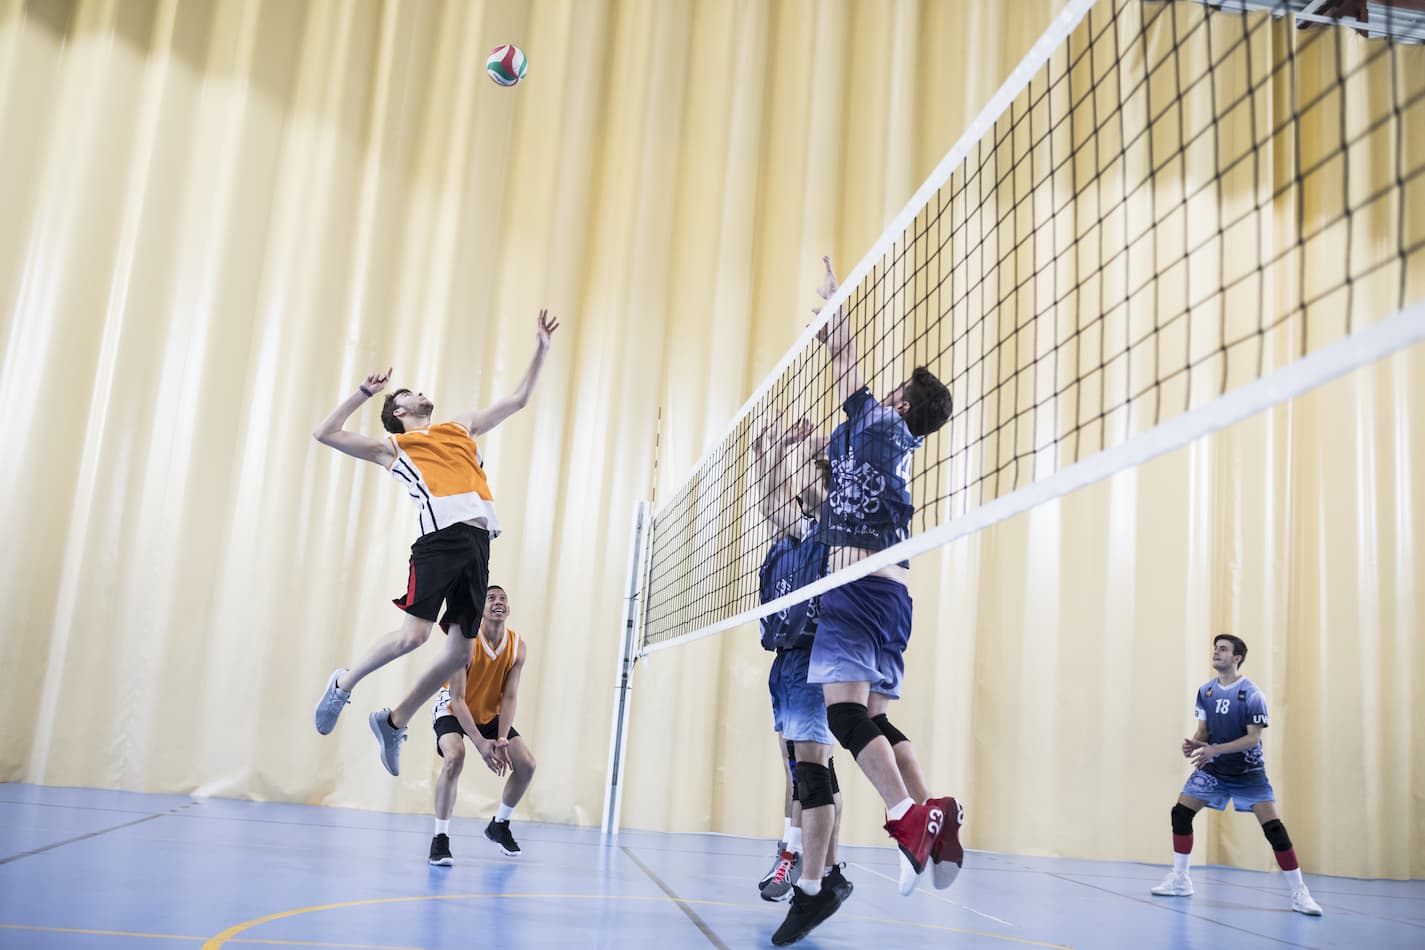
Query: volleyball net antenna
[{"x": 1172, "y": 216}]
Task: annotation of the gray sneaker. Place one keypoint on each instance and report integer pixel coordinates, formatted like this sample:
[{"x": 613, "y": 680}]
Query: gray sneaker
[
  {"x": 390, "y": 738},
  {"x": 331, "y": 703},
  {"x": 772, "y": 871},
  {"x": 787, "y": 873}
]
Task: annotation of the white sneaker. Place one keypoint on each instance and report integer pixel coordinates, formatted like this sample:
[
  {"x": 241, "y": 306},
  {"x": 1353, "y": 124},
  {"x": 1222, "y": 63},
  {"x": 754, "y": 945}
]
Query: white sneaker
[
  {"x": 1302, "y": 903},
  {"x": 1174, "y": 885},
  {"x": 331, "y": 703}
]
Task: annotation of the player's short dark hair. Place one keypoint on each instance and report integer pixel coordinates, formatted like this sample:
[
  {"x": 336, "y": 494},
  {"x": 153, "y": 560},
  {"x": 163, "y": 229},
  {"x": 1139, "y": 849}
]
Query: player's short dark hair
[
  {"x": 930, "y": 403},
  {"x": 490, "y": 587},
  {"x": 388, "y": 413},
  {"x": 1239, "y": 649}
]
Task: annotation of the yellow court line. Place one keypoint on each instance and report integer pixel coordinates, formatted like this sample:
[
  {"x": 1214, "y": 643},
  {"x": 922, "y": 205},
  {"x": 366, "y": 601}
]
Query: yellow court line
[
  {"x": 217, "y": 942},
  {"x": 261, "y": 940}
]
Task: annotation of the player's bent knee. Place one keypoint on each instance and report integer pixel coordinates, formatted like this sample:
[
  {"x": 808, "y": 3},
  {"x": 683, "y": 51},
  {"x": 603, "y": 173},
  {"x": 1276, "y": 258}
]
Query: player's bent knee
[
  {"x": 814, "y": 785},
  {"x": 1276, "y": 835},
  {"x": 852, "y": 726},
  {"x": 892, "y": 734},
  {"x": 1182, "y": 819}
]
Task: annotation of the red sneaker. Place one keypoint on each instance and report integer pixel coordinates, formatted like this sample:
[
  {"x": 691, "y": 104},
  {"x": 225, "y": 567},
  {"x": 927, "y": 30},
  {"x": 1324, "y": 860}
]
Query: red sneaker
[
  {"x": 947, "y": 857},
  {"x": 915, "y": 833}
]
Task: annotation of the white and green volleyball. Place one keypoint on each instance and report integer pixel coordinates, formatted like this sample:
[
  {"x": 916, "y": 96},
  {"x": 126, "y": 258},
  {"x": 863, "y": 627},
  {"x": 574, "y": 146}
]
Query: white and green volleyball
[{"x": 506, "y": 64}]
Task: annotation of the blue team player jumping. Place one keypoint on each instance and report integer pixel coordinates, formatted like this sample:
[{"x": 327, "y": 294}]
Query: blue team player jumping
[
  {"x": 791, "y": 501},
  {"x": 1226, "y": 753},
  {"x": 863, "y": 627}
]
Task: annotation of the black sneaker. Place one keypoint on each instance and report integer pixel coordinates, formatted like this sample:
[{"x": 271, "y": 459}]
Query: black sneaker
[
  {"x": 806, "y": 914},
  {"x": 499, "y": 832},
  {"x": 837, "y": 882},
  {"x": 440, "y": 851}
]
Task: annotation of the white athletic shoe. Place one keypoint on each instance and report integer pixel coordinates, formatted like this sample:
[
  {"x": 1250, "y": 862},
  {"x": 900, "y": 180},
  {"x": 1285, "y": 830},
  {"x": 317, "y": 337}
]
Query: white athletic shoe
[
  {"x": 1174, "y": 885},
  {"x": 334, "y": 698},
  {"x": 1302, "y": 903}
]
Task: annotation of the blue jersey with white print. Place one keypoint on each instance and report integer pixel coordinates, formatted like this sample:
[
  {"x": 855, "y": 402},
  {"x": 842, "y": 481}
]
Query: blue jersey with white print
[
  {"x": 869, "y": 506},
  {"x": 1228, "y": 711},
  {"x": 790, "y": 564}
]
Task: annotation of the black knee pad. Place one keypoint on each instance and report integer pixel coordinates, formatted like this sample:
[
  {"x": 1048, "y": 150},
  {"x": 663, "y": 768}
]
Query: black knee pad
[
  {"x": 1276, "y": 834},
  {"x": 852, "y": 726},
  {"x": 813, "y": 785},
  {"x": 891, "y": 733},
  {"x": 1182, "y": 819},
  {"x": 835, "y": 785}
]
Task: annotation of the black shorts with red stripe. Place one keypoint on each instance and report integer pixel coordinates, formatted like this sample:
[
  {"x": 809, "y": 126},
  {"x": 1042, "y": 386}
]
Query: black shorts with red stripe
[{"x": 451, "y": 567}]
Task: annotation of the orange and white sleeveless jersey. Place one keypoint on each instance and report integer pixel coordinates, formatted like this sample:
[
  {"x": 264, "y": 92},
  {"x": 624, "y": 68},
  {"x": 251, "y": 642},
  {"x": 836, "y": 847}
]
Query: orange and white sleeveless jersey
[
  {"x": 484, "y": 679},
  {"x": 441, "y": 469}
]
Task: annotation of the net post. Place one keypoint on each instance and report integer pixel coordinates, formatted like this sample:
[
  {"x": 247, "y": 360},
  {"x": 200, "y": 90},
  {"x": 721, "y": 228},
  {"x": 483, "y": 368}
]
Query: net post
[{"x": 623, "y": 680}]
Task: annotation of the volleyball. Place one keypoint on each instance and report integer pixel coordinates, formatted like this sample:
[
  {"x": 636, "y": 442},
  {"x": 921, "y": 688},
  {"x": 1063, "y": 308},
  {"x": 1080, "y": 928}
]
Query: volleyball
[{"x": 506, "y": 64}]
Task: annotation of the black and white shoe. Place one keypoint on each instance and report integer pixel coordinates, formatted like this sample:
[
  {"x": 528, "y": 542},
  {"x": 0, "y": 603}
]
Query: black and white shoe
[
  {"x": 837, "y": 882},
  {"x": 806, "y": 914},
  {"x": 499, "y": 832},
  {"x": 440, "y": 851}
]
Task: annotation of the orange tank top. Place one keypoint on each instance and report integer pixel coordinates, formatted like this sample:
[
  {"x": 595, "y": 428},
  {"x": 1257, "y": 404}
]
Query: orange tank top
[{"x": 485, "y": 676}]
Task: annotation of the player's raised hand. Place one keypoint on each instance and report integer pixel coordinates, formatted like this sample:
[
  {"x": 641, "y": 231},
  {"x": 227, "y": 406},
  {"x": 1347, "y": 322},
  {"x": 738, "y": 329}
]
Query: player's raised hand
[
  {"x": 547, "y": 326},
  {"x": 797, "y": 432},
  {"x": 377, "y": 381},
  {"x": 829, "y": 283},
  {"x": 763, "y": 440}
]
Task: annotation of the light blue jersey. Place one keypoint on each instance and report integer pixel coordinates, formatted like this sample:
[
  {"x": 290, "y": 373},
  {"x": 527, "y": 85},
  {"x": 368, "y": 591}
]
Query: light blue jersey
[{"x": 1228, "y": 711}]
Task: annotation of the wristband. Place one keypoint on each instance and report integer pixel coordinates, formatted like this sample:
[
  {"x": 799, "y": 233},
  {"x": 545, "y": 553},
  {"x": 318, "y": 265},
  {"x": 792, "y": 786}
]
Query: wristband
[{"x": 364, "y": 391}]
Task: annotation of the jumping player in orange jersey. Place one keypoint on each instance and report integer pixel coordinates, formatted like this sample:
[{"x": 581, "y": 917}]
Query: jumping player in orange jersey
[{"x": 441, "y": 468}]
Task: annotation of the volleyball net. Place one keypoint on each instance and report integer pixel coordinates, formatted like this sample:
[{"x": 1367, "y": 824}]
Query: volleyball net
[{"x": 1169, "y": 218}]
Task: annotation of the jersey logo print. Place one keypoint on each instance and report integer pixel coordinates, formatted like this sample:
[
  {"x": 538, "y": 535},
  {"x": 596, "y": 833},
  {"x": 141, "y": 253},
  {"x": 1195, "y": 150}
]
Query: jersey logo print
[{"x": 858, "y": 489}]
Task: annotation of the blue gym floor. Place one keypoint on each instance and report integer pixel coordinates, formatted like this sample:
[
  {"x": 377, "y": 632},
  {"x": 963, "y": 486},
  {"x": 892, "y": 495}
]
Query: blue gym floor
[{"x": 91, "y": 868}]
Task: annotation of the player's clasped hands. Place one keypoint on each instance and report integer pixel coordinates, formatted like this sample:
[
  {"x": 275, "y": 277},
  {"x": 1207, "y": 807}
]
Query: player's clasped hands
[{"x": 497, "y": 759}]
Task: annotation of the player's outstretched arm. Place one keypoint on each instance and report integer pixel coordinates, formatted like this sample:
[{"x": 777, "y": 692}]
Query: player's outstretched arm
[
  {"x": 462, "y": 715},
  {"x": 778, "y": 504},
  {"x": 483, "y": 420},
  {"x": 509, "y": 702},
  {"x": 836, "y": 334},
  {"x": 330, "y": 430}
]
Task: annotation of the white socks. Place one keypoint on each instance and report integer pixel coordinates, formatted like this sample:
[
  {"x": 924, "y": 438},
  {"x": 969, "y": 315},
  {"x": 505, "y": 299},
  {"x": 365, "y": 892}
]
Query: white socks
[
  {"x": 794, "y": 841},
  {"x": 1180, "y": 863},
  {"x": 504, "y": 812},
  {"x": 442, "y": 826},
  {"x": 809, "y": 888},
  {"x": 1293, "y": 879},
  {"x": 786, "y": 829},
  {"x": 895, "y": 812}
]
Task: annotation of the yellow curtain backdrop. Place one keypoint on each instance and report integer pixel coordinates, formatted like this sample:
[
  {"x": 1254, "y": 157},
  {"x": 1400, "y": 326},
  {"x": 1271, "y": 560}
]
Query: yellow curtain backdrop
[{"x": 220, "y": 215}]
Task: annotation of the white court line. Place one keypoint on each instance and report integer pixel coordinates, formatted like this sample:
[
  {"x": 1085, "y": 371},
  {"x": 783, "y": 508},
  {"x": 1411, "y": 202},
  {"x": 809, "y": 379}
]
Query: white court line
[{"x": 947, "y": 900}]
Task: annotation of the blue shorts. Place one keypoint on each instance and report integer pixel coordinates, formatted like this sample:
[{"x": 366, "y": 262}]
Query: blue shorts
[
  {"x": 1244, "y": 790},
  {"x": 861, "y": 635},
  {"x": 798, "y": 708}
]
